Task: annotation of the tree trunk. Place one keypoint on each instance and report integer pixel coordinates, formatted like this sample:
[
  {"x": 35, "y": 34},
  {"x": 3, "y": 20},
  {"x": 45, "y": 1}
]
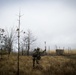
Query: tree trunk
[
  {"x": 28, "y": 49},
  {"x": 1, "y": 53},
  {"x": 22, "y": 51}
]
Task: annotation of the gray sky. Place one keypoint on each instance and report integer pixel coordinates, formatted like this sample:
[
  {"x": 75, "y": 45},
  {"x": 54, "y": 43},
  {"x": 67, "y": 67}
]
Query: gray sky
[{"x": 53, "y": 21}]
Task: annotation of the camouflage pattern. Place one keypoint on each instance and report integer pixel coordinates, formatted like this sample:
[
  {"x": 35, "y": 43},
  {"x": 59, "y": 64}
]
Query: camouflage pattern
[{"x": 36, "y": 56}]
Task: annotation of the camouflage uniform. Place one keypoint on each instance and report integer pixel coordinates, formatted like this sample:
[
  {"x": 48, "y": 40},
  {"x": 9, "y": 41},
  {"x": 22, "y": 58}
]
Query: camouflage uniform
[{"x": 36, "y": 56}]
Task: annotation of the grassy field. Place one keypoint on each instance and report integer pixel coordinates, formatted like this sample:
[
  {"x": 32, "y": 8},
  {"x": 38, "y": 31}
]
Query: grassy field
[
  {"x": 49, "y": 65},
  {"x": 66, "y": 52}
]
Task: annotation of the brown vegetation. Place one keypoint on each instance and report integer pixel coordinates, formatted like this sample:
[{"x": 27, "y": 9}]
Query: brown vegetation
[{"x": 49, "y": 65}]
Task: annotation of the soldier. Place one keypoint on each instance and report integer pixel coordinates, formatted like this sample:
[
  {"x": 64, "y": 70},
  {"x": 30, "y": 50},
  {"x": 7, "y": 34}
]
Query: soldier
[{"x": 36, "y": 56}]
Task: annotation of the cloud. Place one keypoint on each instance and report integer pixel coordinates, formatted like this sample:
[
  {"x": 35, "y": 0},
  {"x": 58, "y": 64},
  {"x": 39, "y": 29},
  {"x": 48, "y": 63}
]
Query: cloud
[{"x": 50, "y": 21}]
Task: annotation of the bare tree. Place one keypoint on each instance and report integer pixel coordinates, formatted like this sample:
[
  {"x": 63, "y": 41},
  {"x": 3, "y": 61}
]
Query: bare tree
[
  {"x": 9, "y": 41},
  {"x": 1, "y": 40},
  {"x": 28, "y": 40}
]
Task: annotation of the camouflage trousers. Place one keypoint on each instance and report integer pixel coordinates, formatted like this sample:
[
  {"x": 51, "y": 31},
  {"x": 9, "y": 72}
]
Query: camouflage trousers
[{"x": 35, "y": 61}]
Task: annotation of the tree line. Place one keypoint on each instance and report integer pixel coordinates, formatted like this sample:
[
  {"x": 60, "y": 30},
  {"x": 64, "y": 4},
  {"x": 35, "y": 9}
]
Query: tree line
[{"x": 8, "y": 41}]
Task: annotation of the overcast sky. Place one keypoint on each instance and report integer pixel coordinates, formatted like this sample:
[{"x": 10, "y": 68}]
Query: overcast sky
[{"x": 53, "y": 21}]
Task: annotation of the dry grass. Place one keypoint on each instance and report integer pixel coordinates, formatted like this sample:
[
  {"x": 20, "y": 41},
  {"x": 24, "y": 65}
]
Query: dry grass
[
  {"x": 66, "y": 52},
  {"x": 49, "y": 65}
]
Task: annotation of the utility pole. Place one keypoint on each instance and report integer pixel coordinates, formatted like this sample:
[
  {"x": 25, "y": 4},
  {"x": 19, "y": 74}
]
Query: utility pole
[
  {"x": 18, "y": 42},
  {"x": 45, "y": 45}
]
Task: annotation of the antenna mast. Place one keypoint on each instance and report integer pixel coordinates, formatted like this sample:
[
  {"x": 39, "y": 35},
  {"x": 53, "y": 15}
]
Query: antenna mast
[{"x": 18, "y": 41}]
